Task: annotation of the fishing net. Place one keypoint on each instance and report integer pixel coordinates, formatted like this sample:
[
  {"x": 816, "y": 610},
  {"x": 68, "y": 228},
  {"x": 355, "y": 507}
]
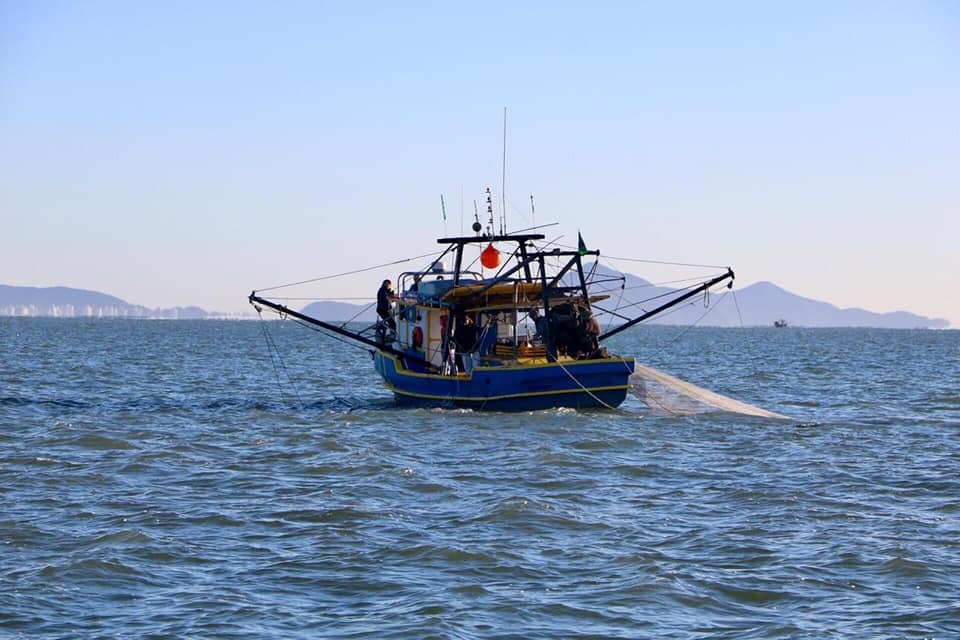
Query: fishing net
[{"x": 665, "y": 394}]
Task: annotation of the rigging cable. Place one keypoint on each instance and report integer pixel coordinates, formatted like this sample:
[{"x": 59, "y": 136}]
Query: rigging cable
[
  {"x": 651, "y": 299},
  {"x": 333, "y": 336},
  {"x": 587, "y": 391},
  {"x": 737, "y": 304},
  {"x": 670, "y": 264},
  {"x": 698, "y": 320},
  {"x": 271, "y": 349},
  {"x": 356, "y": 315},
  {"x": 740, "y": 317},
  {"x": 349, "y": 273},
  {"x": 647, "y": 285},
  {"x": 622, "y": 279}
]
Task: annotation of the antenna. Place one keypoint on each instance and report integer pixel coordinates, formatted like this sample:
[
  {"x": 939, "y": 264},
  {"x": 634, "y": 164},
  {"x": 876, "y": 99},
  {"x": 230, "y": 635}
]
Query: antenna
[
  {"x": 533, "y": 212},
  {"x": 476, "y": 219},
  {"x": 503, "y": 179},
  {"x": 443, "y": 208},
  {"x": 490, "y": 227}
]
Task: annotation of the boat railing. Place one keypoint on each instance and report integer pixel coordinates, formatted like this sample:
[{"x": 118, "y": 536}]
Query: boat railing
[{"x": 432, "y": 284}]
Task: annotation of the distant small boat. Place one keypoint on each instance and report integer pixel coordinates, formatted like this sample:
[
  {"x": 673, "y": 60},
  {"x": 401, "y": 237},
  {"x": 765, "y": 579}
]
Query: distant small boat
[{"x": 780, "y": 324}]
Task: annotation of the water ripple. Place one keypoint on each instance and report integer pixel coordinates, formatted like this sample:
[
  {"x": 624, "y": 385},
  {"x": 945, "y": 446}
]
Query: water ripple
[{"x": 148, "y": 494}]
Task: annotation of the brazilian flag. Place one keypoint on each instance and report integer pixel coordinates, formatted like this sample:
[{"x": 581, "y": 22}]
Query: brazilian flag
[{"x": 581, "y": 245}]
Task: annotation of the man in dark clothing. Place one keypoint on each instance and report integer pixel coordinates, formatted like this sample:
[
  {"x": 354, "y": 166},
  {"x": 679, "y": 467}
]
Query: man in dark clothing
[
  {"x": 465, "y": 340},
  {"x": 539, "y": 322},
  {"x": 384, "y": 296},
  {"x": 466, "y": 335}
]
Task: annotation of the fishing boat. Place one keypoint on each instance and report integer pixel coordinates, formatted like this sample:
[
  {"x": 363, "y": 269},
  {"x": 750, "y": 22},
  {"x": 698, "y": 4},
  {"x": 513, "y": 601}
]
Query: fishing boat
[{"x": 524, "y": 338}]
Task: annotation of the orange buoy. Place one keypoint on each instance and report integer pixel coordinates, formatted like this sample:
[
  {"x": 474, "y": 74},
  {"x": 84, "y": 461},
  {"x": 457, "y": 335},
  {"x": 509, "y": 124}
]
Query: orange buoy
[{"x": 490, "y": 257}]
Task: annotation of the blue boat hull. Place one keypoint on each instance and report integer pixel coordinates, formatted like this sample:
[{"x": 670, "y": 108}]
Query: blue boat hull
[{"x": 579, "y": 384}]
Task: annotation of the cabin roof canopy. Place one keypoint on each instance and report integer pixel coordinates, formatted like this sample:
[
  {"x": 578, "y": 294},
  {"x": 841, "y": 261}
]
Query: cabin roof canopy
[{"x": 482, "y": 238}]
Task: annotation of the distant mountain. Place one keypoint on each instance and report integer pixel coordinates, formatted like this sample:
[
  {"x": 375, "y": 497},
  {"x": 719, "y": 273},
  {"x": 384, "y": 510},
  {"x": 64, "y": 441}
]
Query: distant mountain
[
  {"x": 764, "y": 302},
  {"x": 340, "y": 311},
  {"x": 759, "y": 304},
  {"x": 64, "y": 302}
]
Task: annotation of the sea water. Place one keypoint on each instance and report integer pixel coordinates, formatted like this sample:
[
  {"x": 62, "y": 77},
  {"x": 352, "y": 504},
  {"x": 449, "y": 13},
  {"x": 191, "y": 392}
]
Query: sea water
[{"x": 180, "y": 479}]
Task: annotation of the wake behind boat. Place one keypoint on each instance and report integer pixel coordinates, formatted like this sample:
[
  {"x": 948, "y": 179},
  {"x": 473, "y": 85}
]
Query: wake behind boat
[{"x": 524, "y": 338}]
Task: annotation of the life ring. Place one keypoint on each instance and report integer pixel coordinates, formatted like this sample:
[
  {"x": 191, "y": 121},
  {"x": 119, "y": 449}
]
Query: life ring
[{"x": 417, "y": 338}]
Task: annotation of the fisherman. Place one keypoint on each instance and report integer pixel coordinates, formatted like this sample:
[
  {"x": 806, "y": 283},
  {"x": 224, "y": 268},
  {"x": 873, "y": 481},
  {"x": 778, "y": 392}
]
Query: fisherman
[
  {"x": 465, "y": 338},
  {"x": 539, "y": 322},
  {"x": 591, "y": 342},
  {"x": 593, "y": 325},
  {"x": 466, "y": 335},
  {"x": 384, "y": 296}
]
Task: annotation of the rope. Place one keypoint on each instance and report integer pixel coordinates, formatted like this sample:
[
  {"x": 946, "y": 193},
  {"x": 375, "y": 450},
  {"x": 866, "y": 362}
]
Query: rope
[
  {"x": 672, "y": 264},
  {"x": 740, "y": 317},
  {"x": 332, "y": 336},
  {"x": 271, "y": 348},
  {"x": 315, "y": 299},
  {"x": 737, "y": 304},
  {"x": 698, "y": 320},
  {"x": 356, "y": 315},
  {"x": 588, "y": 392},
  {"x": 348, "y": 273},
  {"x": 616, "y": 310},
  {"x": 623, "y": 303},
  {"x": 621, "y": 278},
  {"x": 697, "y": 279},
  {"x": 555, "y": 241},
  {"x": 656, "y": 297}
]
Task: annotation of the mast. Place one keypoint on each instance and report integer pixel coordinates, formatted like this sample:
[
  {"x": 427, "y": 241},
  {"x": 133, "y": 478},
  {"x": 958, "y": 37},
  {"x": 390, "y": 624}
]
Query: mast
[
  {"x": 443, "y": 208},
  {"x": 503, "y": 179},
  {"x": 491, "y": 230},
  {"x": 548, "y": 339}
]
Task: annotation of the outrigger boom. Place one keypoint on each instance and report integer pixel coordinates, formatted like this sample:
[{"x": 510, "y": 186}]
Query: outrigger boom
[{"x": 286, "y": 311}]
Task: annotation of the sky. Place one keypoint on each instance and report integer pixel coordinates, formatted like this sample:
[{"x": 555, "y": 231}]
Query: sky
[{"x": 184, "y": 153}]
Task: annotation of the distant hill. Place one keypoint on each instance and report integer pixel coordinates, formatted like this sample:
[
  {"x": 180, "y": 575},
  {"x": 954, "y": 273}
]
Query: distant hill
[
  {"x": 340, "y": 311},
  {"x": 759, "y": 304},
  {"x": 764, "y": 302},
  {"x": 64, "y": 302}
]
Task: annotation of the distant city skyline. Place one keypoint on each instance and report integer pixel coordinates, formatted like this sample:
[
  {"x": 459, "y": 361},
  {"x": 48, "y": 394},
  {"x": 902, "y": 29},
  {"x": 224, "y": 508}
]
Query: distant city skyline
[
  {"x": 762, "y": 304},
  {"x": 174, "y": 154}
]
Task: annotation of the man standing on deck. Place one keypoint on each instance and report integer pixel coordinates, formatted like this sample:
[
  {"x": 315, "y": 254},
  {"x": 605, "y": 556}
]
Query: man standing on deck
[{"x": 384, "y": 296}]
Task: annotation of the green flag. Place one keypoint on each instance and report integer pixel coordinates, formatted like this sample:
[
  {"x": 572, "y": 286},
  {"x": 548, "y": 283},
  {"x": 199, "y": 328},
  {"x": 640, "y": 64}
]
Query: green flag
[{"x": 581, "y": 245}]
